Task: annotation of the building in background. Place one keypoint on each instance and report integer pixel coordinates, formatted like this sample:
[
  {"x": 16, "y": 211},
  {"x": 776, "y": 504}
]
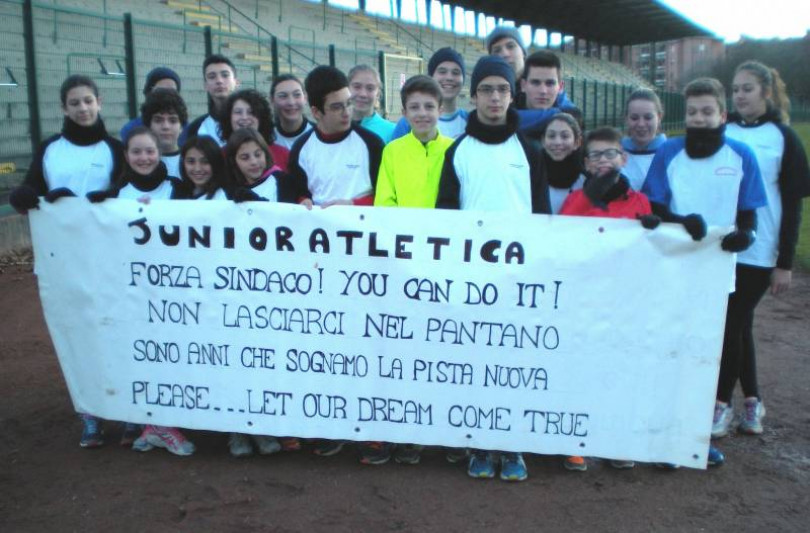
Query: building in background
[{"x": 670, "y": 65}]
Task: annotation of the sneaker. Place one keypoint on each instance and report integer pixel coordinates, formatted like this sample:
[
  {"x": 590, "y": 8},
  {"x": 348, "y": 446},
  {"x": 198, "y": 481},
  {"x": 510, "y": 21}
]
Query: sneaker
[
  {"x": 716, "y": 457},
  {"x": 575, "y": 463},
  {"x": 513, "y": 467},
  {"x": 457, "y": 455},
  {"x": 239, "y": 445},
  {"x": 328, "y": 448},
  {"x": 92, "y": 435},
  {"x": 752, "y": 419},
  {"x": 266, "y": 445},
  {"x": 723, "y": 417},
  {"x": 171, "y": 439},
  {"x": 130, "y": 433},
  {"x": 142, "y": 444},
  {"x": 290, "y": 444},
  {"x": 482, "y": 465},
  {"x": 376, "y": 453},
  {"x": 408, "y": 454},
  {"x": 621, "y": 464}
]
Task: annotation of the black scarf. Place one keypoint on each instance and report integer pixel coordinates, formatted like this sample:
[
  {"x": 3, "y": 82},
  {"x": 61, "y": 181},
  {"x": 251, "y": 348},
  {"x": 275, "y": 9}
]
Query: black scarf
[
  {"x": 563, "y": 174},
  {"x": 295, "y": 133},
  {"x": 148, "y": 183},
  {"x": 84, "y": 135},
  {"x": 492, "y": 134},
  {"x": 601, "y": 190},
  {"x": 704, "y": 142}
]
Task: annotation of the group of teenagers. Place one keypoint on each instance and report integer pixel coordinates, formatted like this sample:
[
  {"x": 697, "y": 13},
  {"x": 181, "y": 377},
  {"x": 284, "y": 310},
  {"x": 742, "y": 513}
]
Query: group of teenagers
[{"x": 522, "y": 149}]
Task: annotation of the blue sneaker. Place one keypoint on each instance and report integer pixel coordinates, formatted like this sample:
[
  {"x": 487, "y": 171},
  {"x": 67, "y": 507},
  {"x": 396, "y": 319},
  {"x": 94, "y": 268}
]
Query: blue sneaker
[
  {"x": 482, "y": 465},
  {"x": 716, "y": 457},
  {"x": 513, "y": 467},
  {"x": 92, "y": 436},
  {"x": 130, "y": 433}
]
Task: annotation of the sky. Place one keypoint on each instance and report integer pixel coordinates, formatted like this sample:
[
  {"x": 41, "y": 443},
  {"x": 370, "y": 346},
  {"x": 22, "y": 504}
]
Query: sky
[{"x": 728, "y": 19}]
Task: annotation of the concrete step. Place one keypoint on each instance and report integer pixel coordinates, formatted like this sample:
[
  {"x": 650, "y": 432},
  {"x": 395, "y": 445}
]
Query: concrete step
[
  {"x": 198, "y": 15},
  {"x": 186, "y": 5},
  {"x": 258, "y": 58},
  {"x": 216, "y": 26}
]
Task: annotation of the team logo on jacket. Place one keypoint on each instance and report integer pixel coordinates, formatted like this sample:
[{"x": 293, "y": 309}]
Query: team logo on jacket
[
  {"x": 725, "y": 171},
  {"x": 352, "y": 165},
  {"x": 517, "y": 165}
]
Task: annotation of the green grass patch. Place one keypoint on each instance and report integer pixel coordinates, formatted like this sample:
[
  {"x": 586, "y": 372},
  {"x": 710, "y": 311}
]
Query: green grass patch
[{"x": 803, "y": 250}]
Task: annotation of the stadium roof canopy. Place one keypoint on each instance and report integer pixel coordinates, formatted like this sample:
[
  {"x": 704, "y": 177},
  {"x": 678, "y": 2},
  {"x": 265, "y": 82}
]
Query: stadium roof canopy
[{"x": 616, "y": 22}]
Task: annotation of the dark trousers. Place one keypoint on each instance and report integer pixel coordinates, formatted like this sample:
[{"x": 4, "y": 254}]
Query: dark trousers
[{"x": 739, "y": 355}]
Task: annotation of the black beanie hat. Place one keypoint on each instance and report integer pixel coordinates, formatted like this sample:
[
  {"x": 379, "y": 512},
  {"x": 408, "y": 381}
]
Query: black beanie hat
[
  {"x": 492, "y": 66},
  {"x": 157, "y": 74},
  {"x": 442, "y": 55}
]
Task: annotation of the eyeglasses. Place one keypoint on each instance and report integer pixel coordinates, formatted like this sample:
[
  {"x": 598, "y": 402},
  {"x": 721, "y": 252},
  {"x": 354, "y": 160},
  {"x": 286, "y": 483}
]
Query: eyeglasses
[
  {"x": 339, "y": 107},
  {"x": 488, "y": 90},
  {"x": 610, "y": 154}
]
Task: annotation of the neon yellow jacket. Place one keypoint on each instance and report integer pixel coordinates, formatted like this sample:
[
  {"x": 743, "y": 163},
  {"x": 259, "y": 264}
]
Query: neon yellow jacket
[{"x": 410, "y": 171}]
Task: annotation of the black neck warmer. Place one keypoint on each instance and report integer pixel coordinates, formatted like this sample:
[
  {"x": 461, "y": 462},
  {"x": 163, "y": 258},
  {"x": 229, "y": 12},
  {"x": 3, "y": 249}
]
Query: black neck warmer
[
  {"x": 563, "y": 174},
  {"x": 84, "y": 135},
  {"x": 618, "y": 190},
  {"x": 148, "y": 183},
  {"x": 492, "y": 134},
  {"x": 704, "y": 142},
  {"x": 295, "y": 133}
]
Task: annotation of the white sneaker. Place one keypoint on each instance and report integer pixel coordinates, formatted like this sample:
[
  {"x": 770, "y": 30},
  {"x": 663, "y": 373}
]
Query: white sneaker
[
  {"x": 752, "y": 419},
  {"x": 266, "y": 445},
  {"x": 723, "y": 417},
  {"x": 239, "y": 445}
]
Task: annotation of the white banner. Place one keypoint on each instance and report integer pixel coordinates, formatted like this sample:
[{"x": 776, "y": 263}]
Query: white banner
[{"x": 547, "y": 334}]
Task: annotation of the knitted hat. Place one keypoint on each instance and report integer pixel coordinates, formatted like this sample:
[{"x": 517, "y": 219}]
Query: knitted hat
[
  {"x": 445, "y": 54},
  {"x": 157, "y": 74},
  {"x": 503, "y": 32},
  {"x": 492, "y": 66}
]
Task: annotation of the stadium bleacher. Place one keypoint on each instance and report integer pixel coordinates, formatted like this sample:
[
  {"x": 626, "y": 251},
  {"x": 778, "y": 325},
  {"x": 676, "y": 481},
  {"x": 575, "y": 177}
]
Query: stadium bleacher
[{"x": 86, "y": 36}]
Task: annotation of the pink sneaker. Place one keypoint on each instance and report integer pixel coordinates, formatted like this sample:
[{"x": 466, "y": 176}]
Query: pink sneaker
[{"x": 169, "y": 438}]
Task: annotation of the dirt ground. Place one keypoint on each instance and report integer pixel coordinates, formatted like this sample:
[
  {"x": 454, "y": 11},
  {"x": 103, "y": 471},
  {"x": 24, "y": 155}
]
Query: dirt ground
[{"x": 48, "y": 482}]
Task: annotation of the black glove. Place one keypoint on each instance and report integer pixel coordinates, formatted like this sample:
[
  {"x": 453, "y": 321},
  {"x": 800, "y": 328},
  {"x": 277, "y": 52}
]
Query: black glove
[
  {"x": 23, "y": 198},
  {"x": 596, "y": 187},
  {"x": 737, "y": 241},
  {"x": 97, "y": 197},
  {"x": 649, "y": 221},
  {"x": 243, "y": 194},
  {"x": 695, "y": 226},
  {"x": 55, "y": 194}
]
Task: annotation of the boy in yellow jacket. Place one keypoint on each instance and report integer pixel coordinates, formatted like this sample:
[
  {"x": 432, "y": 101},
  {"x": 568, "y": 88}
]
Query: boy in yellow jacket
[
  {"x": 412, "y": 165},
  {"x": 409, "y": 177}
]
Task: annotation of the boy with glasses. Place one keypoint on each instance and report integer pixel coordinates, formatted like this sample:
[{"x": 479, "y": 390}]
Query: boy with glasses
[
  {"x": 492, "y": 167},
  {"x": 607, "y": 191},
  {"x": 335, "y": 163}
]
